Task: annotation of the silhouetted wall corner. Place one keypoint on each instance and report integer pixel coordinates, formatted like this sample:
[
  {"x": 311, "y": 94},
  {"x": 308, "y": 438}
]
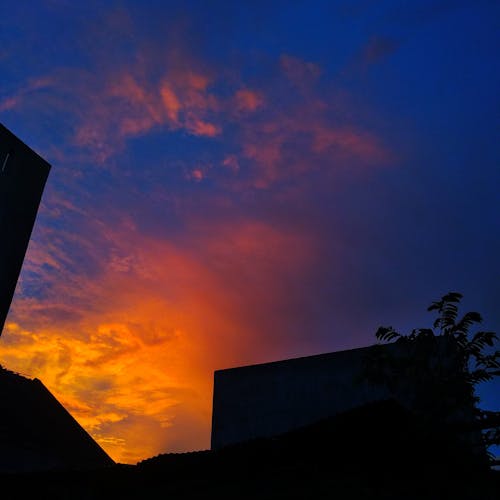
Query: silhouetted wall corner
[
  {"x": 23, "y": 175},
  {"x": 37, "y": 433}
]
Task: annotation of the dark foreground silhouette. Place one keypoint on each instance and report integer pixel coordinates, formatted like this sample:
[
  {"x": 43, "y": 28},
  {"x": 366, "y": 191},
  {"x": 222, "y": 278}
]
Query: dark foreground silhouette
[
  {"x": 374, "y": 452},
  {"x": 37, "y": 433}
]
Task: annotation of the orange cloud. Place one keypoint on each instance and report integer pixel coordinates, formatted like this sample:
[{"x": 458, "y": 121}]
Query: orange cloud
[
  {"x": 129, "y": 340},
  {"x": 171, "y": 103},
  {"x": 302, "y": 131},
  {"x": 309, "y": 131},
  {"x": 286, "y": 147},
  {"x": 357, "y": 144},
  {"x": 196, "y": 174},
  {"x": 131, "y": 351},
  {"x": 248, "y": 100},
  {"x": 32, "y": 86},
  {"x": 196, "y": 81},
  {"x": 200, "y": 127},
  {"x": 127, "y": 104}
]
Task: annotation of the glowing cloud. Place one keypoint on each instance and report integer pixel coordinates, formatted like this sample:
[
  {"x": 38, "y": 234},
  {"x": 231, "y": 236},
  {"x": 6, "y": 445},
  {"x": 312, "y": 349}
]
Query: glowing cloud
[
  {"x": 247, "y": 100},
  {"x": 140, "y": 282},
  {"x": 153, "y": 327}
]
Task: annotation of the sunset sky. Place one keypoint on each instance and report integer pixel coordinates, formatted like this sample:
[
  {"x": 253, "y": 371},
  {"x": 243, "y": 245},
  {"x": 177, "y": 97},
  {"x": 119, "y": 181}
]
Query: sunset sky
[{"x": 240, "y": 182}]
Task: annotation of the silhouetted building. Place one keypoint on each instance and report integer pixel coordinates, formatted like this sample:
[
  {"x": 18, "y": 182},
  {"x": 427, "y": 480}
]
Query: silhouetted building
[
  {"x": 37, "y": 433},
  {"x": 22, "y": 178},
  {"x": 272, "y": 398}
]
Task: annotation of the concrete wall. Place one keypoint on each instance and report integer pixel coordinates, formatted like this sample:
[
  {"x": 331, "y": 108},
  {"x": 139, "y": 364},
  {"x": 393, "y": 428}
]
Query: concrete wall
[
  {"x": 271, "y": 398},
  {"x": 22, "y": 178}
]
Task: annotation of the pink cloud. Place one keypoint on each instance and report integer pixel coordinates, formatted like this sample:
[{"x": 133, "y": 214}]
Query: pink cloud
[
  {"x": 171, "y": 103},
  {"x": 9, "y": 103},
  {"x": 197, "y": 175},
  {"x": 299, "y": 71},
  {"x": 128, "y": 108},
  {"x": 32, "y": 86},
  {"x": 180, "y": 101},
  {"x": 231, "y": 162},
  {"x": 311, "y": 131},
  {"x": 196, "y": 81},
  {"x": 202, "y": 128},
  {"x": 247, "y": 100},
  {"x": 286, "y": 147},
  {"x": 352, "y": 143}
]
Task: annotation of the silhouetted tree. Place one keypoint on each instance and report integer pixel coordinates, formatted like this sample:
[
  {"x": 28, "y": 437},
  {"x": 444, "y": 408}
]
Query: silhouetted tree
[{"x": 442, "y": 366}]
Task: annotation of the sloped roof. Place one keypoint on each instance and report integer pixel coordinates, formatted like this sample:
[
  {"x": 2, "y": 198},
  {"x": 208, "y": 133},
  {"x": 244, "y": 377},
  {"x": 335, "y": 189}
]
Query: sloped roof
[{"x": 38, "y": 433}]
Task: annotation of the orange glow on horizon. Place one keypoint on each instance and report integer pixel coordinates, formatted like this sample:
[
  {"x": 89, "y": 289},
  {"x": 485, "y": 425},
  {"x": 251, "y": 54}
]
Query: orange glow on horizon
[
  {"x": 129, "y": 337},
  {"x": 136, "y": 369}
]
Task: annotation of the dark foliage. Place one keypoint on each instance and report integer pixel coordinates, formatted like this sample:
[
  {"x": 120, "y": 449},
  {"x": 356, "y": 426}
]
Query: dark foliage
[{"x": 443, "y": 365}]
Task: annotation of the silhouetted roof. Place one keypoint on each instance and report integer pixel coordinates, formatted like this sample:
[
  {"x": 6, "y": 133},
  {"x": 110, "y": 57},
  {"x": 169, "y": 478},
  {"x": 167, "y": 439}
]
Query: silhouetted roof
[
  {"x": 38, "y": 433},
  {"x": 337, "y": 355}
]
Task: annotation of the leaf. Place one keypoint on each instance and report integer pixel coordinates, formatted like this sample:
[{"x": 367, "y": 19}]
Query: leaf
[
  {"x": 446, "y": 306},
  {"x": 462, "y": 326},
  {"x": 386, "y": 334},
  {"x": 479, "y": 375},
  {"x": 489, "y": 361},
  {"x": 482, "y": 339},
  {"x": 426, "y": 333},
  {"x": 443, "y": 380},
  {"x": 448, "y": 315},
  {"x": 452, "y": 297},
  {"x": 435, "y": 306}
]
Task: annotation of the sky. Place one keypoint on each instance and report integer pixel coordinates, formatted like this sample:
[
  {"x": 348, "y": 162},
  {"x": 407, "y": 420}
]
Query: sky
[{"x": 240, "y": 182}]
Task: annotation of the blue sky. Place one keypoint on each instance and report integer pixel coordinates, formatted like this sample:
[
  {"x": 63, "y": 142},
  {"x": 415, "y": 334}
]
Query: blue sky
[{"x": 240, "y": 183}]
